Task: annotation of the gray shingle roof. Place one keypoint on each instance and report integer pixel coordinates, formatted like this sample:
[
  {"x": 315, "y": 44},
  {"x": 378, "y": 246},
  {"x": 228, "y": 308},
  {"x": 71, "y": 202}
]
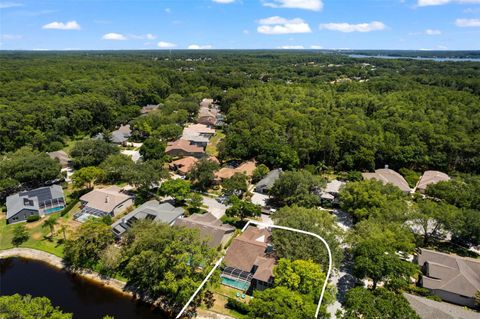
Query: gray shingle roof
[
  {"x": 158, "y": 212},
  {"x": 268, "y": 181},
  {"x": 430, "y": 309},
  {"x": 31, "y": 199}
]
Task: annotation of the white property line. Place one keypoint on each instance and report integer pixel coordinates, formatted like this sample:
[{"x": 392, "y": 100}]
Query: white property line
[{"x": 278, "y": 227}]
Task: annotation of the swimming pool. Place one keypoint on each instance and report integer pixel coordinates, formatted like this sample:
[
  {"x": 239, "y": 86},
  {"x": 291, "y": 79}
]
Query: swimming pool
[{"x": 53, "y": 210}]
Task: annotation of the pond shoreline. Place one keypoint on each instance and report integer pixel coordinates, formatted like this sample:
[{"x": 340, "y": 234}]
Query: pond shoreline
[{"x": 57, "y": 262}]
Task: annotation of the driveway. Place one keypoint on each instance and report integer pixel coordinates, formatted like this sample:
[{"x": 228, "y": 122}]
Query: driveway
[{"x": 215, "y": 208}]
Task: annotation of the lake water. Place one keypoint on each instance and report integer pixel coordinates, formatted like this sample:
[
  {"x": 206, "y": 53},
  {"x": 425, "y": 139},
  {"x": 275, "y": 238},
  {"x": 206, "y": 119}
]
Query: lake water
[
  {"x": 415, "y": 58},
  {"x": 82, "y": 297}
]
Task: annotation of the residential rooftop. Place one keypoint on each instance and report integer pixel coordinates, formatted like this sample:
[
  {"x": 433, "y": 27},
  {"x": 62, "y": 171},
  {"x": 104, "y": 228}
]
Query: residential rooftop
[
  {"x": 388, "y": 176},
  {"x": 429, "y": 178}
]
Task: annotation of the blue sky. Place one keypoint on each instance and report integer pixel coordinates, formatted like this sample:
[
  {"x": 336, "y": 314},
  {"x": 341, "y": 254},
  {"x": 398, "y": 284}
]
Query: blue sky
[{"x": 239, "y": 24}]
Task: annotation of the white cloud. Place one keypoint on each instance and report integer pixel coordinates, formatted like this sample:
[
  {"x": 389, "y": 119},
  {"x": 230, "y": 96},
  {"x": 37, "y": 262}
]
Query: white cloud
[
  {"x": 246, "y": 32},
  {"x": 433, "y": 32},
  {"x": 224, "y": 1},
  {"x": 6, "y": 5},
  {"x": 10, "y": 37},
  {"x": 199, "y": 47},
  {"x": 168, "y": 10},
  {"x": 316, "y": 47},
  {"x": 291, "y": 47},
  {"x": 166, "y": 45},
  {"x": 426, "y": 3},
  {"x": 465, "y": 23},
  {"x": 347, "y": 27},
  {"x": 114, "y": 36},
  {"x": 70, "y": 25},
  {"x": 147, "y": 36},
  {"x": 314, "y": 5},
  {"x": 279, "y": 25}
]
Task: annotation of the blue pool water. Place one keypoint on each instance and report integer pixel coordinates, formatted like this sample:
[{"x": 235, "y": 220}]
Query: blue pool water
[
  {"x": 235, "y": 284},
  {"x": 53, "y": 210}
]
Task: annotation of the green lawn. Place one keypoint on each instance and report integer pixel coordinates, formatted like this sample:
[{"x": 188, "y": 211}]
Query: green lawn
[{"x": 39, "y": 237}]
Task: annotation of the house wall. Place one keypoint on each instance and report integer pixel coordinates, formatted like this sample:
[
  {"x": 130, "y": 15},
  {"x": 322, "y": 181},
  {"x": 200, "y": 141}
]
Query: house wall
[
  {"x": 178, "y": 152},
  {"x": 122, "y": 207},
  {"x": 22, "y": 216},
  {"x": 454, "y": 298}
]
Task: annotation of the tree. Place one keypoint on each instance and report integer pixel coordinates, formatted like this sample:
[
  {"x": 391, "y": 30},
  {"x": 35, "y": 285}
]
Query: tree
[
  {"x": 380, "y": 303},
  {"x": 291, "y": 245},
  {"x": 370, "y": 198},
  {"x": 297, "y": 188},
  {"x": 303, "y": 276},
  {"x": 87, "y": 243},
  {"x": 87, "y": 176},
  {"x": 477, "y": 298},
  {"x": 435, "y": 219},
  {"x": 195, "y": 203},
  {"x": 167, "y": 262},
  {"x": 202, "y": 174},
  {"x": 467, "y": 229},
  {"x": 20, "y": 235},
  {"x": 90, "y": 152},
  {"x": 280, "y": 303},
  {"x": 28, "y": 307},
  {"x": 117, "y": 167},
  {"x": 260, "y": 172},
  {"x": 376, "y": 251},
  {"x": 178, "y": 188},
  {"x": 63, "y": 230},
  {"x": 242, "y": 209},
  {"x": 50, "y": 223},
  {"x": 237, "y": 184},
  {"x": 152, "y": 148},
  {"x": 209, "y": 299}
]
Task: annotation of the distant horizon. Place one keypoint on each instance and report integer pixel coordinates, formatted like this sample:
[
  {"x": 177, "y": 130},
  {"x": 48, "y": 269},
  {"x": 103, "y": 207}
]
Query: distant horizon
[{"x": 75, "y": 25}]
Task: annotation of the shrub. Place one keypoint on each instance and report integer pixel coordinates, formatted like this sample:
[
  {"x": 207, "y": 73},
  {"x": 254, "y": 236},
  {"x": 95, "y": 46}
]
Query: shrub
[
  {"x": 69, "y": 207},
  {"x": 33, "y": 218},
  {"x": 238, "y": 306}
]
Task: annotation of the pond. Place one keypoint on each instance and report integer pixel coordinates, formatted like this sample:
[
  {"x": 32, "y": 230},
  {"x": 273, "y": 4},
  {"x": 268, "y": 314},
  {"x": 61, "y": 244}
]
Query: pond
[{"x": 84, "y": 298}]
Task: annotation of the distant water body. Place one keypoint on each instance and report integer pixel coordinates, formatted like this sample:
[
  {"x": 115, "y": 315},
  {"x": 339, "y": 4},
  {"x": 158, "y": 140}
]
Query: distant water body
[
  {"x": 415, "y": 58},
  {"x": 74, "y": 294}
]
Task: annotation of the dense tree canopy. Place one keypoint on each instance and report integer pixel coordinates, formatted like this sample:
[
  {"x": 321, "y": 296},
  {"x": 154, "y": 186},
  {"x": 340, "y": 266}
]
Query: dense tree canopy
[
  {"x": 28, "y": 307},
  {"x": 90, "y": 152}
]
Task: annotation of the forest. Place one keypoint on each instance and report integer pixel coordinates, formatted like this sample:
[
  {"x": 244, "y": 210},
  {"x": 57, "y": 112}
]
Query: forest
[{"x": 288, "y": 110}]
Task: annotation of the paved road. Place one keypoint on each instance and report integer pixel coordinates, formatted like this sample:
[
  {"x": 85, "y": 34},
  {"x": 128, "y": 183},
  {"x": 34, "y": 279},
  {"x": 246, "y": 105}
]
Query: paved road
[{"x": 217, "y": 209}]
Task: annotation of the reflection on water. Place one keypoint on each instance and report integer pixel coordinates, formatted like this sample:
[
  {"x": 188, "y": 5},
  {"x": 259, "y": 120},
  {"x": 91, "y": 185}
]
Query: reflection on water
[{"x": 83, "y": 298}]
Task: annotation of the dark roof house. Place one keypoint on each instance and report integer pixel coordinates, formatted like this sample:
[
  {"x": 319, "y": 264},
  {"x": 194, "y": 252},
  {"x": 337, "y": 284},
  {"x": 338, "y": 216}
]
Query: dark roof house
[
  {"x": 152, "y": 210},
  {"x": 40, "y": 201},
  {"x": 453, "y": 278},
  {"x": 210, "y": 228},
  {"x": 431, "y": 309},
  {"x": 266, "y": 183}
]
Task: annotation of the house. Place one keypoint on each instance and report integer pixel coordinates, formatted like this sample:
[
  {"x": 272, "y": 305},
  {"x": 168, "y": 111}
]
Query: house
[
  {"x": 121, "y": 135},
  {"x": 429, "y": 178},
  {"x": 246, "y": 168},
  {"x": 105, "y": 201},
  {"x": 266, "y": 183},
  {"x": 453, "y": 278},
  {"x": 199, "y": 129},
  {"x": 330, "y": 193},
  {"x": 195, "y": 138},
  {"x": 183, "y": 165},
  {"x": 184, "y": 148},
  {"x": 431, "y": 309},
  {"x": 36, "y": 202},
  {"x": 388, "y": 176},
  {"x": 210, "y": 228},
  {"x": 207, "y": 117},
  {"x": 153, "y": 210},
  {"x": 149, "y": 108},
  {"x": 62, "y": 157},
  {"x": 133, "y": 154},
  {"x": 249, "y": 262}
]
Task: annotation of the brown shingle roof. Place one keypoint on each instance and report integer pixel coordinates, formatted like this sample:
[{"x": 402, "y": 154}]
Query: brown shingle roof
[
  {"x": 450, "y": 273},
  {"x": 105, "y": 199},
  {"x": 431, "y": 177},
  {"x": 245, "y": 250},
  {"x": 388, "y": 176},
  {"x": 185, "y": 164},
  {"x": 209, "y": 226},
  {"x": 246, "y": 168},
  {"x": 199, "y": 128},
  {"x": 183, "y": 145}
]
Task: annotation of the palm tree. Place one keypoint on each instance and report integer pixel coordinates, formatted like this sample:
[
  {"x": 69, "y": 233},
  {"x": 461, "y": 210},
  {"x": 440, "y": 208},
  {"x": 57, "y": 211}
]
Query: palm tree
[
  {"x": 51, "y": 222},
  {"x": 63, "y": 229}
]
